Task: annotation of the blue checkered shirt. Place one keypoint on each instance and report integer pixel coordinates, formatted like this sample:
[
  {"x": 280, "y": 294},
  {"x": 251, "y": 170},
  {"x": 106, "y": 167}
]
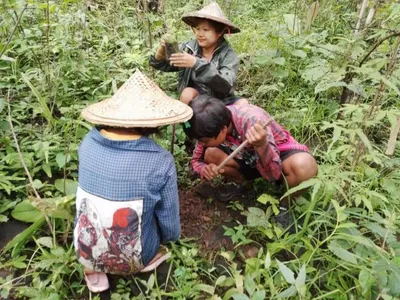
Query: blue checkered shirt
[{"x": 126, "y": 170}]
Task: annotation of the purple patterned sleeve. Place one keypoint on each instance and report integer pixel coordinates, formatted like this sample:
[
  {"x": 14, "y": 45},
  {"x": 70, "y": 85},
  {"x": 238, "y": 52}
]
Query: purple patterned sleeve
[
  {"x": 269, "y": 163},
  {"x": 197, "y": 162}
]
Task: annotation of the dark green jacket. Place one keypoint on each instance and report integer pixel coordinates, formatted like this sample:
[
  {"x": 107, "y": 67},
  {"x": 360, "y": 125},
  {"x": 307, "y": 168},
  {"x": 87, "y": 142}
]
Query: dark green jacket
[{"x": 217, "y": 77}]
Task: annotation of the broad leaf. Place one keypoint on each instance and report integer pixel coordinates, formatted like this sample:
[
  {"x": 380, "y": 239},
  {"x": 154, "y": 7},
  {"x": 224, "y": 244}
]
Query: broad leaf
[
  {"x": 286, "y": 272},
  {"x": 2, "y": 103},
  {"x": 280, "y": 73},
  {"x": 257, "y": 217},
  {"x": 299, "y": 53},
  {"x": 301, "y": 278},
  {"x": 26, "y": 212},
  {"x": 66, "y": 186},
  {"x": 205, "y": 288},
  {"x": 265, "y": 198},
  {"x": 62, "y": 159},
  {"x": 259, "y": 295},
  {"x": 342, "y": 253},
  {"x": 366, "y": 280},
  {"x": 45, "y": 241},
  {"x": 288, "y": 292},
  {"x": 249, "y": 285},
  {"x": 364, "y": 139},
  {"x": 267, "y": 261},
  {"x": 3, "y": 218},
  {"x": 279, "y": 60},
  {"x": 292, "y": 23}
]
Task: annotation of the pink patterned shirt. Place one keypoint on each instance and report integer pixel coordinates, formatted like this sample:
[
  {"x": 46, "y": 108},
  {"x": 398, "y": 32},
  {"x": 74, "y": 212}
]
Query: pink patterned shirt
[{"x": 267, "y": 160}]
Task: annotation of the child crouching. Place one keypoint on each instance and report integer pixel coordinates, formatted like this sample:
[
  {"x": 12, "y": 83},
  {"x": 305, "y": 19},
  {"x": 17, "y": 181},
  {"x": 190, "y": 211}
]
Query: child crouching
[{"x": 272, "y": 152}]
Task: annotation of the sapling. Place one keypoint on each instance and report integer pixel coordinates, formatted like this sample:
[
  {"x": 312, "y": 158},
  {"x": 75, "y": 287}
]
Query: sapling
[{"x": 171, "y": 45}]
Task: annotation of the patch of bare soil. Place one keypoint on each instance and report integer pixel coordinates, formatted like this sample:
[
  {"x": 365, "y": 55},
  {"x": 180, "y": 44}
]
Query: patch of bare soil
[{"x": 203, "y": 218}]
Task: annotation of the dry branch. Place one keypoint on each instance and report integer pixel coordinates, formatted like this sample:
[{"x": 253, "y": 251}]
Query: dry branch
[
  {"x": 360, "y": 16},
  {"x": 393, "y": 137}
]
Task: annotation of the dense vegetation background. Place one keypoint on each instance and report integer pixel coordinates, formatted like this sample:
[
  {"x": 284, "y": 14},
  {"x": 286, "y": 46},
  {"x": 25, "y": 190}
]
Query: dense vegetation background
[{"x": 327, "y": 70}]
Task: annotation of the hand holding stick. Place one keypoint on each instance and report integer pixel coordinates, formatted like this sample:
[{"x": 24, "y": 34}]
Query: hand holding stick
[{"x": 241, "y": 146}]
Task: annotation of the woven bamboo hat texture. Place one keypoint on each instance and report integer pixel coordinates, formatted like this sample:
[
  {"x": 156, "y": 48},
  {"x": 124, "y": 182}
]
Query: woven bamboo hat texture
[
  {"x": 139, "y": 102},
  {"x": 211, "y": 11}
]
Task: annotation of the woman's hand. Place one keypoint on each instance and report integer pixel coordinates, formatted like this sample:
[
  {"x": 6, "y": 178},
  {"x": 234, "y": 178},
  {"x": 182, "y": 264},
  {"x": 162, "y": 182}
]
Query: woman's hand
[
  {"x": 182, "y": 60},
  {"x": 210, "y": 171},
  {"x": 257, "y": 135}
]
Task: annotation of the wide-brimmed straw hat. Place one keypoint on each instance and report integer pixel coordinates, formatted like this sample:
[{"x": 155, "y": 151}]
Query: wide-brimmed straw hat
[
  {"x": 139, "y": 102},
  {"x": 211, "y": 12}
]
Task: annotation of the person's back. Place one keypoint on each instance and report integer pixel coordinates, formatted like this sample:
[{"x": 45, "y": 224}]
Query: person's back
[
  {"x": 136, "y": 174},
  {"x": 127, "y": 201}
]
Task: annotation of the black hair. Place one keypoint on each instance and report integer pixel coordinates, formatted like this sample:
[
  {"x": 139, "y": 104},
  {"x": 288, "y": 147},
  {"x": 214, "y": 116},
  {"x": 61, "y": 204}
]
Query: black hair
[
  {"x": 210, "y": 115},
  {"x": 144, "y": 131}
]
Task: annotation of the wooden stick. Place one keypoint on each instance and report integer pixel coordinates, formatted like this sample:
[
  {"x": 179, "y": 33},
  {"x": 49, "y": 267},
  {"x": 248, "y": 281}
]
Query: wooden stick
[
  {"x": 241, "y": 146},
  {"x": 360, "y": 16},
  {"x": 393, "y": 137},
  {"x": 173, "y": 139}
]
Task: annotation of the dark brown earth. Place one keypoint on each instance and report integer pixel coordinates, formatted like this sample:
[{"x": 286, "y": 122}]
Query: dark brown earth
[{"x": 203, "y": 218}]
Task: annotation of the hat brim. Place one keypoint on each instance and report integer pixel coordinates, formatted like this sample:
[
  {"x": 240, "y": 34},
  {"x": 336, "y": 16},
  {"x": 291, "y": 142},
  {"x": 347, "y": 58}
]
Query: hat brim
[
  {"x": 91, "y": 115},
  {"x": 192, "y": 18},
  {"x": 139, "y": 102}
]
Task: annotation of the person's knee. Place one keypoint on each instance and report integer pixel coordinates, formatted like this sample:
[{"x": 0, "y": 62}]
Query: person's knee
[
  {"x": 211, "y": 155},
  {"x": 188, "y": 94},
  {"x": 305, "y": 167}
]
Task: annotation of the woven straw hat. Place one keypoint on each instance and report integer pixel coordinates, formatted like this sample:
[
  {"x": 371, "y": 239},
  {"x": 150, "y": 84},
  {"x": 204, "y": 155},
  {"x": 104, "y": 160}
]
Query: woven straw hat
[
  {"x": 139, "y": 102},
  {"x": 211, "y": 12}
]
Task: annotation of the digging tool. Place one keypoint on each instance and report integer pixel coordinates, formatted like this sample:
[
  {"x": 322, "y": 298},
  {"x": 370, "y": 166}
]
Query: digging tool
[{"x": 241, "y": 146}]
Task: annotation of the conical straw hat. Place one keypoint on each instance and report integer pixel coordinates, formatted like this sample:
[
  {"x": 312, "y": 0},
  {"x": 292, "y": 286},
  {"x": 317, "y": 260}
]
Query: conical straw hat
[
  {"x": 212, "y": 12},
  {"x": 139, "y": 102}
]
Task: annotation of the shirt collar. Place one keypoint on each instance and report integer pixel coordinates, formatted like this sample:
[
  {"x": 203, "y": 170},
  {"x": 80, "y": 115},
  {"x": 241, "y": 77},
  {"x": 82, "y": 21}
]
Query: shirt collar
[{"x": 142, "y": 144}]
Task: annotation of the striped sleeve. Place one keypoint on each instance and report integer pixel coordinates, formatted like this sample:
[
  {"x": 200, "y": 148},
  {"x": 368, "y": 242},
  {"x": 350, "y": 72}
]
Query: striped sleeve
[
  {"x": 269, "y": 163},
  {"x": 197, "y": 162}
]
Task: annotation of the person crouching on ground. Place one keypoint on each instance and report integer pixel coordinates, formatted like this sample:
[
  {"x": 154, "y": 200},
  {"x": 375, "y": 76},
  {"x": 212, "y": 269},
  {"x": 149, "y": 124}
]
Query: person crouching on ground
[
  {"x": 208, "y": 64},
  {"x": 272, "y": 152},
  {"x": 127, "y": 200}
]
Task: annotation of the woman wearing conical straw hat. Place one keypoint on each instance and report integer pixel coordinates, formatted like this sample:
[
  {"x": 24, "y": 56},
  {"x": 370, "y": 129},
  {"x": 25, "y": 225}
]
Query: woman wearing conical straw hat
[
  {"x": 127, "y": 200},
  {"x": 209, "y": 65}
]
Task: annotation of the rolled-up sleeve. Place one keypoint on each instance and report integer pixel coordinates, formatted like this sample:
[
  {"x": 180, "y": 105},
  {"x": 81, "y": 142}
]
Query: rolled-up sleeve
[{"x": 197, "y": 162}]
